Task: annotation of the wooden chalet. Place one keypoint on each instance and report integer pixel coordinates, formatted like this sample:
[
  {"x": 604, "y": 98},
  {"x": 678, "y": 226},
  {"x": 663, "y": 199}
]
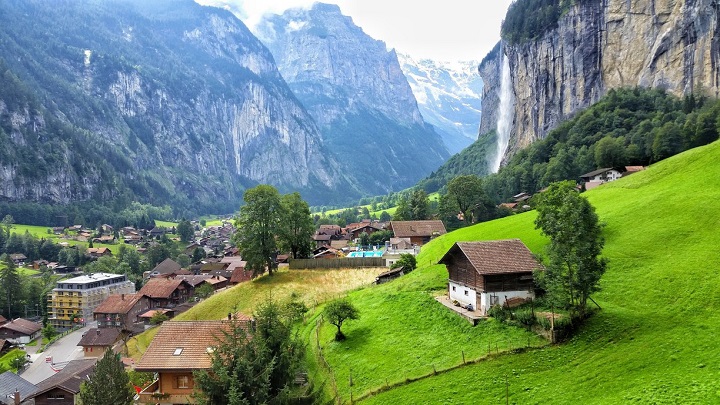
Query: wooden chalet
[
  {"x": 179, "y": 349},
  {"x": 62, "y": 387},
  {"x": 483, "y": 274},
  {"x": 20, "y": 331},
  {"x": 419, "y": 232},
  {"x": 167, "y": 267},
  {"x": 121, "y": 311},
  {"x": 166, "y": 292},
  {"x": 96, "y": 341}
]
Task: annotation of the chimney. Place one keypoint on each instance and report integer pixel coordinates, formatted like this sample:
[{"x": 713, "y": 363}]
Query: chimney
[
  {"x": 16, "y": 397},
  {"x": 98, "y": 332},
  {"x": 229, "y": 316}
]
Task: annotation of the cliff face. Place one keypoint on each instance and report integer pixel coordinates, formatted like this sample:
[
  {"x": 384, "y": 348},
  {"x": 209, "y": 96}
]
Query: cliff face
[
  {"x": 357, "y": 93},
  {"x": 605, "y": 44},
  {"x": 167, "y": 101}
]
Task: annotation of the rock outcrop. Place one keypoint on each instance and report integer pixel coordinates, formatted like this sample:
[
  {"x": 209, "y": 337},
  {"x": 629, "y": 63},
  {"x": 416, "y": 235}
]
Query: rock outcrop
[
  {"x": 605, "y": 44},
  {"x": 172, "y": 103},
  {"x": 357, "y": 93}
]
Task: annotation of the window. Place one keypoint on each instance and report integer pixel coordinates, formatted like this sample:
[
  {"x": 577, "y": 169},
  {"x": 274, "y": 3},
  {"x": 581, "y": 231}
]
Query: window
[
  {"x": 454, "y": 289},
  {"x": 466, "y": 292},
  {"x": 183, "y": 381},
  {"x": 178, "y": 351}
]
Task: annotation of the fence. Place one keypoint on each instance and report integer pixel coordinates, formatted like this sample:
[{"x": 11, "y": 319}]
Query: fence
[{"x": 341, "y": 263}]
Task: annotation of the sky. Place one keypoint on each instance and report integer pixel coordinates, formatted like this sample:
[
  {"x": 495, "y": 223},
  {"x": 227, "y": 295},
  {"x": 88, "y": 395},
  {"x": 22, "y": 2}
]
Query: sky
[{"x": 442, "y": 30}]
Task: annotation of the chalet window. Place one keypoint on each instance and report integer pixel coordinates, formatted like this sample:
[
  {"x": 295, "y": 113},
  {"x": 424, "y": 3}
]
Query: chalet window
[
  {"x": 183, "y": 381},
  {"x": 454, "y": 288},
  {"x": 466, "y": 292}
]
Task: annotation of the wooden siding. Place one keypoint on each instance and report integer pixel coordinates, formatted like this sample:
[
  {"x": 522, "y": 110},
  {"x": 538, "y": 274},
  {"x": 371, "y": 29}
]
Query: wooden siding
[
  {"x": 509, "y": 282},
  {"x": 341, "y": 263},
  {"x": 462, "y": 271}
]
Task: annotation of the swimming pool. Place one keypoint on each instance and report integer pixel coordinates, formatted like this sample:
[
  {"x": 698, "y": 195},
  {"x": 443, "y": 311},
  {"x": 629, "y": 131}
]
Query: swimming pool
[{"x": 366, "y": 253}]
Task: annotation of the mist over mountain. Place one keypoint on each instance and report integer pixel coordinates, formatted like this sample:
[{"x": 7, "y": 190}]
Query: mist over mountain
[
  {"x": 356, "y": 91},
  {"x": 449, "y": 95}
]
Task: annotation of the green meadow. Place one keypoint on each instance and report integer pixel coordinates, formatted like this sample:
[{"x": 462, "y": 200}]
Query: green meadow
[{"x": 655, "y": 339}]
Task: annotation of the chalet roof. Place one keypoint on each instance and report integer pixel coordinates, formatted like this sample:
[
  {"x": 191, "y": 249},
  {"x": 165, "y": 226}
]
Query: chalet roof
[
  {"x": 216, "y": 280},
  {"x": 161, "y": 287},
  {"x": 9, "y": 382},
  {"x": 18, "y": 256},
  {"x": 634, "y": 169},
  {"x": 406, "y": 229},
  {"x": 194, "y": 280},
  {"x": 183, "y": 345},
  {"x": 496, "y": 257},
  {"x": 391, "y": 272},
  {"x": 2, "y": 319},
  {"x": 69, "y": 378},
  {"x": 100, "y": 337},
  {"x": 167, "y": 266},
  {"x": 240, "y": 275},
  {"x": 152, "y": 312},
  {"x": 321, "y": 237},
  {"x": 234, "y": 262},
  {"x": 596, "y": 172},
  {"x": 118, "y": 303},
  {"x": 338, "y": 244},
  {"x": 22, "y": 326}
]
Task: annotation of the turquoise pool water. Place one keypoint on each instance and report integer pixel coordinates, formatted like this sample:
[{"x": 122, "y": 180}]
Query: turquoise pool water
[{"x": 369, "y": 253}]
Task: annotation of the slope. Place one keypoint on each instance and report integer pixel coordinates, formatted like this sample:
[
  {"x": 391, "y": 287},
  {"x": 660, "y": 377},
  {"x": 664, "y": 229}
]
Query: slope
[{"x": 654, "y": 341}]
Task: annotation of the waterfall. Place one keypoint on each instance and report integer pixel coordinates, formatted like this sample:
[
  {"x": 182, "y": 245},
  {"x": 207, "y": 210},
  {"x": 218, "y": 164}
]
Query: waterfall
[{"x": 505, "y": 116}]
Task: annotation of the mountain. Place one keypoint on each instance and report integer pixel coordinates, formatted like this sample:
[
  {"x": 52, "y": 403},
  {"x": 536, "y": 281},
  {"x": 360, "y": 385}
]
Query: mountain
[
  {"x": 167, "y": 102},
  {"x": 449, "y": 96},
  {"x": 357, "y": 93},
  {"x": 572, "y": 53}
]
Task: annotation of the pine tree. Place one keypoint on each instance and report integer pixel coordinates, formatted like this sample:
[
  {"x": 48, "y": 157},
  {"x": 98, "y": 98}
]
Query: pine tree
[
  {"x": 109, "y": 385},
  {"x": 10, "y": 286}
]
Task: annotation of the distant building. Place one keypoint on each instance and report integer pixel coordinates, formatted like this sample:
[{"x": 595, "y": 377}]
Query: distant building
[
  {"x": 122, "y": 311},
  {"x": 20, "y": 330},
  {"x": 75, "y": 299},
  {"x": 95, "y": 342},
  {"x": 14, "y": 388},
  {"x": 62, "y": 387},
  {"x": 418, "y": 232}
]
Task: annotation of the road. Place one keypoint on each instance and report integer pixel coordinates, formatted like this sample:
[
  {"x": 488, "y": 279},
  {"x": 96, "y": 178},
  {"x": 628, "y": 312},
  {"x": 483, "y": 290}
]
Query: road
[{"x": 62, "y": 351}]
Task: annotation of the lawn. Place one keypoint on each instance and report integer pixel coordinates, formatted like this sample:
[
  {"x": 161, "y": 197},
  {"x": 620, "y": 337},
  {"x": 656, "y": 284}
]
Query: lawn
[
  {"x": 311, "y": 286},
  {"x": 7, "y": 358},
  {"x": 391, "y": 210},
  {"x": 41, "y": 232},
  {"x": 655, "y": 339}
]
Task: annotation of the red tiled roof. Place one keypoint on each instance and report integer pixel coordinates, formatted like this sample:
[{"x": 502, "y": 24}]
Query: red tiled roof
[
  {"x": 240, "y": 275},
  {"x": 183, "y": 345},
  {"x": 118, "y": 304},
  {"x": 406, "y": 229},
  {"x": 22, "y": 326},
  {"x": 161, "y": 287},
  {"x": 497, "y": 257}
]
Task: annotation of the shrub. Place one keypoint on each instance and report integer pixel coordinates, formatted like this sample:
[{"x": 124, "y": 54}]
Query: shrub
[
  {"x": 525, "y": 316},
  {"x": 499, "y": 312}
]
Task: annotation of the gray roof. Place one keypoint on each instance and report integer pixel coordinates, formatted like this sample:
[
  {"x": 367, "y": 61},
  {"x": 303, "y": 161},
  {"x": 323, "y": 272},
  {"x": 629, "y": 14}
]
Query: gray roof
[
  {"x": 9, "y": 382},
  {"x": 69, "y": 378}
]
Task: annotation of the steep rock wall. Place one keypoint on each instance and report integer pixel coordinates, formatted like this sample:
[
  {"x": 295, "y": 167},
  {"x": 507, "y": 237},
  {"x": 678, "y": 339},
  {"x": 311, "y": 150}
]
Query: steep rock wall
[{"x": 605, "y": 44}]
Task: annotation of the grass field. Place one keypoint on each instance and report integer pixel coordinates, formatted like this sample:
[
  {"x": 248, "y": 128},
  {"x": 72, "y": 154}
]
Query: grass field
[
  {"x": 41, "y": 232},
  {"x": 655, "y": 339},
  {"x": 311, "y": 286},
  {"x": 391, "y": 210},
  {"x": 7, "y": 358}
]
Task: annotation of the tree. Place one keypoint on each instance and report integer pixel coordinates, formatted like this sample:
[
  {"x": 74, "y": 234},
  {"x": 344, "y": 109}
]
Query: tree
[
  {"x": 338, "y": 312},
  {"x": 185, "y": 230},
  {"x": 252, "y": 365},
  {"x": 406, "y": 261},
  {"x": 257, "y": 225},
  {"x": 418, "y": 205},
  {"x": 296, "y": 226},
  {"x": 158, "y": 318},
  {"x": 183, "y": 260},
  {"x": 7, "y": 224},
  {"x": 19, "y": 361},
  {"x": 198, "y": 254},
  {"x": 10, "y": 286},
  {"x": 48, "y": 332},
  {"x": 403, "y": 212},
  {"x": 204, "y": 291},
  {"x": 109, "y": 385},
  {"x": 575, "y": 265},
  {"x": 385, "y": 217},
  {"x": 609, "y": 152},
  {"x": 157, "y": 253},
  {"x": 467, "y": 194}
]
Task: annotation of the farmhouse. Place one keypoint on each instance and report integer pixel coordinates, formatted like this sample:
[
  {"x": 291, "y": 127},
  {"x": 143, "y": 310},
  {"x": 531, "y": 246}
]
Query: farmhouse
[
  {"x": 419, "y": 232},
  {"x": 20, "y": 330},
  {"x": 62, "y": 387},
  {"x": 121, "y": 311},
  {"x": 483, "y": 274},
  {"x": 95, "y": 342}
]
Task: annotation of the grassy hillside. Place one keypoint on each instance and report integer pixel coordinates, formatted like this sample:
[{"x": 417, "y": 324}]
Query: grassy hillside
[
  {"x": 310, "y": 286},
  {"x": 654, "y": 341}
]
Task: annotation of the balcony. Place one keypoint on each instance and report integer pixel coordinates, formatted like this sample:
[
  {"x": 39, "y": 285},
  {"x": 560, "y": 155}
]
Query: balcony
[{"x": 151, "y": 395}]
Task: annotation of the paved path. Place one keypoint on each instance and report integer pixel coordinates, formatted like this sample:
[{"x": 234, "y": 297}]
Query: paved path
[{"x": 62, "y": 351}]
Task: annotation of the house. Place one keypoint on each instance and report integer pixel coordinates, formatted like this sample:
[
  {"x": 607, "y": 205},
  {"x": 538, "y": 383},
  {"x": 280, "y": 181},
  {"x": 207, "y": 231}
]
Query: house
[
  {"x": 368, "y": 228},
  {"x": 14, "y": 389},
  {"x": 62, "y": 387},
  {"x": 389, "y": 275},
  {"x": 20, "y": 331},
  {"x": 483, "y": 274},
  {"x": 18, "y": 258},
  {"x": 178, "y": 349},
  {"x": 104, "y": 239},
  {"x": 121, "y": 311},
  {"x": 166, "y": 293},
  {"x": 240, "y": 275},
  {"x": 326, "y": 252},
  {"x": 419, "y": 232},
  {"x": 521, "y": 197},
  {"x": 146, "y": 317},
  {"x": 165, "y": 268},
  {"x": 96, "y": 341},
  {"x": 603, "y": 175},
  {"x": 321, "y": 239},
  {"x": 400, "y": 244},
  {"x": 98, "y": 252}
]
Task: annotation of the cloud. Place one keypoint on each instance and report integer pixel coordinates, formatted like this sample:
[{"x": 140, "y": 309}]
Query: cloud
[{"x": 433, "y": 29}]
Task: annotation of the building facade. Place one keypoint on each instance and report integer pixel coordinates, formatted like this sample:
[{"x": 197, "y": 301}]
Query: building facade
[{"x": 75, "y": 299}]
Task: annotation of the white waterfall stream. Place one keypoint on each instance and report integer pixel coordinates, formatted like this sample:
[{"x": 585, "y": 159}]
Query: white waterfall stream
[{"x": 504, "y": 123}]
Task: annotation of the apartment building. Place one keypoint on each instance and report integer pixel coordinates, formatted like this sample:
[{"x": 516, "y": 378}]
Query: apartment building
[{"x": 75, "y": 299}]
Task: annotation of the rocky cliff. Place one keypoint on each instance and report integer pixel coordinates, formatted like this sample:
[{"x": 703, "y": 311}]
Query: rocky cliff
[
  {"x": 600, "y": 45},
  {"x": 357, "y": 93},
  {"x": 164, "y": 101}
]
